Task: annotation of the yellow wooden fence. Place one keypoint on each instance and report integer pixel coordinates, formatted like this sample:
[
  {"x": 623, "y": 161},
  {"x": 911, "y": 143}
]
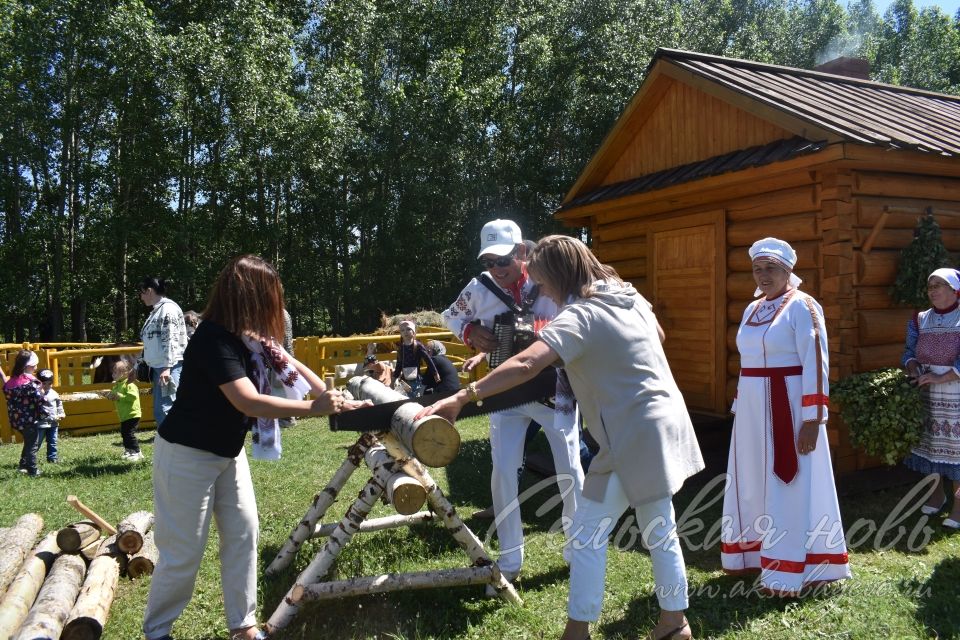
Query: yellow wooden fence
[{"x": 72, "y": 366}]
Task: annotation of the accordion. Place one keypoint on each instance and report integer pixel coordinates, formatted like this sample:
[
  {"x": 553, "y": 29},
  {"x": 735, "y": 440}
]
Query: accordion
[{"x": 513, "y": 333}]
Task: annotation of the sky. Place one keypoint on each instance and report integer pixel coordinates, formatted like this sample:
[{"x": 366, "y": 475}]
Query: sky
[{"x": 948, "y": 6}]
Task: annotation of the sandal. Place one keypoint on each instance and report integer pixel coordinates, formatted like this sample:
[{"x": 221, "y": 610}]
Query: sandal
[{"x": 679, "y": 633}]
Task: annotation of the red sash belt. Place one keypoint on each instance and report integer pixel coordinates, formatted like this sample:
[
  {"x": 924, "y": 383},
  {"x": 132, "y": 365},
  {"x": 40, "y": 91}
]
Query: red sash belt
[{"x": 785, "y": 465}]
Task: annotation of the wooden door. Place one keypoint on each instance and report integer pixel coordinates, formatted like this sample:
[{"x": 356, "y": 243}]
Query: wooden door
[{"x": 688, "y": 289}]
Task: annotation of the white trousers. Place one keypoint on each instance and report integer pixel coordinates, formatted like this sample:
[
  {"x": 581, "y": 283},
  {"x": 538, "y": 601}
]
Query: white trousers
[
  {"x": 190, "y": 486},
  {"x": 508, "y": 429},
  {"x": 588, "y": 551}
]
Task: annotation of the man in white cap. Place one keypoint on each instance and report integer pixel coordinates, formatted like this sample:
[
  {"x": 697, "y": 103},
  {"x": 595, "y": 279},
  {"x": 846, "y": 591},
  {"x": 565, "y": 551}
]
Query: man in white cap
[{"x": 471, "y": 318}]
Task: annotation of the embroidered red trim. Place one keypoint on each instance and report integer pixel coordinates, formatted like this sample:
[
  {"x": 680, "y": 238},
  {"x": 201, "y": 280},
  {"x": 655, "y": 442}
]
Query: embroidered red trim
[
  {"x": 815, "y": 399},
  {"x": 792, "y": 566},
  {"x": 740, "y": 547}
]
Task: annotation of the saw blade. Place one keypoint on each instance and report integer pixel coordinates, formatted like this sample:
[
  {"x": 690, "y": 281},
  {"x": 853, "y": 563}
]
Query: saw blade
[{"x": 377, "y": 418}]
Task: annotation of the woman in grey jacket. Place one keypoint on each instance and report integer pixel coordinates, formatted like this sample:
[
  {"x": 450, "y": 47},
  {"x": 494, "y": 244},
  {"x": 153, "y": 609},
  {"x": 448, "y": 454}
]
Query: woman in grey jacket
[
  {"x": 606, "y": 338},
  {"x": 164, "y": 336}
]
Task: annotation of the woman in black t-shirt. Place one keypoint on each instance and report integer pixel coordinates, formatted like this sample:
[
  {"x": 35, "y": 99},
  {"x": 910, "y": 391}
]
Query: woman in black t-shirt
[{"x": 200, "y": 468}]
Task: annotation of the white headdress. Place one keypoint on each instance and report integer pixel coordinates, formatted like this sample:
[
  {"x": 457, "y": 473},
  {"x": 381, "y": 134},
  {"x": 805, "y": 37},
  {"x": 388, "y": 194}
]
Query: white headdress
[{"x": 776, "y": 251}]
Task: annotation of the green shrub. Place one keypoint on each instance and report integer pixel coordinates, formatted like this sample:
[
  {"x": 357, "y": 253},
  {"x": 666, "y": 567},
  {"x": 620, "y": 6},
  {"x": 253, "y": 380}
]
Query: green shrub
[
  {"x": 924, "y": 255},
  {"x": 884, "y": 411}
]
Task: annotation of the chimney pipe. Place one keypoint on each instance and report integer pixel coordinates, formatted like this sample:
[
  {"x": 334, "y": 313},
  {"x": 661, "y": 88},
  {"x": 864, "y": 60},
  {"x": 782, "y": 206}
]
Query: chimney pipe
[{"x": 844, "y": 66}]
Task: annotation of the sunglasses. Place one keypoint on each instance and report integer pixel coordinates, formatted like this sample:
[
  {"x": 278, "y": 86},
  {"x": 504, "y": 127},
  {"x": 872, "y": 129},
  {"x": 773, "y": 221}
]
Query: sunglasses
[{"x": 505, "y": 261}]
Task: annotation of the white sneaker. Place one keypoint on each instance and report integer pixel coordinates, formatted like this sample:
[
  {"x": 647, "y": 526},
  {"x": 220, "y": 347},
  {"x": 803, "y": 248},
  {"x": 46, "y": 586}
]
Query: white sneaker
[{"x": 136, "y": 456}]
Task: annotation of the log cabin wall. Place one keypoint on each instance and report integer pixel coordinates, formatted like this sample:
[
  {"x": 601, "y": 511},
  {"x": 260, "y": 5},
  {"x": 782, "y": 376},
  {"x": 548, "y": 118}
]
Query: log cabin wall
[
  {"x": 713, "y": 153},
  {"x": 847, "y": 259},
  {"x": 787, "y": 206}
]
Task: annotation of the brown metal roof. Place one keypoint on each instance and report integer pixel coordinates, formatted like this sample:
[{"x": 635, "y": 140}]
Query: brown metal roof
[
  {"x": 855, "y": 110},
  {"x": 735, "y": 161}
]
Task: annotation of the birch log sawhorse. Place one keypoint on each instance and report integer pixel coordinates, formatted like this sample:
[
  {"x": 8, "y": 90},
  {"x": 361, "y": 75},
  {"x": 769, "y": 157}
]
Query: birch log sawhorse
[{"x": 393, "y": 460}]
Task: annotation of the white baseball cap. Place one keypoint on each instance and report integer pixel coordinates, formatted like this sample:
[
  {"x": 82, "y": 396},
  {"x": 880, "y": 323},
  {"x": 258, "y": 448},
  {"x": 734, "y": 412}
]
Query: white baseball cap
[{"x": 499, "y": 237}]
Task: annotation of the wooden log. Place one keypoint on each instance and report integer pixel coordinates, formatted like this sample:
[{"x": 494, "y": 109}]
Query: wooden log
[
  {"x": 55, "y": 600},
  {"x": 434, "y": 441},
  {"x": 879, "y": 356},
  {"x": 23, "y": 590},
  {"x": 143, "y": 562},
  {"x": 320, "y": 565},
  {"x": 451, "y": 520},
  {"x": 874, "y": 297},
  {"x": 879, "y": 267},
  {"x": 321, "y": 502},
  {"x": 131, "y": 530},
  {"x": 628, "y": 249},
  {"x": 388, "y": 582},
  {"x": 881, "y": 222},
  {"x": 74, "y": 537},
  {"x": 792, "y": 228},
  {"x": 634, "y": 268},
  {"x": 904, "y": 213},
  {"x": 900, "y": 239},
  {"x": 377, "y": 524},
  {"x": 403, "y": 492},
  {"x": 90, "y": 613},
  {"x": 906, "y": 185},
  {"x": 882, "y": 326},
  {"x": 785, "y": 201},
  {"x": 733, "y": 364},
  {"x": 15, "y": 546},
  {"x": 735, "y": 310}
]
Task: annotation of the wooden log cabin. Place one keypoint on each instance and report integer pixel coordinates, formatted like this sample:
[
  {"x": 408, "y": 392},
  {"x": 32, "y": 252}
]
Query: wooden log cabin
[{"x": 714, "y": 153}]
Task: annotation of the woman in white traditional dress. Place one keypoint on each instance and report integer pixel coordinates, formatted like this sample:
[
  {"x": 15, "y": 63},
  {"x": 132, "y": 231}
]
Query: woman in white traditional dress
[
  {"x": 932, "y": 358},
  {"x": 780, "y": 510},
  {"x": 606, "y": 338}
]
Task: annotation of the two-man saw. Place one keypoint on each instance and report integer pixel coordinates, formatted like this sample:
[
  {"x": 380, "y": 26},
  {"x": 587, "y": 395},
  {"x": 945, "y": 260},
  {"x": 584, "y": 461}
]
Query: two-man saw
[{"x": 377, "y": 418}]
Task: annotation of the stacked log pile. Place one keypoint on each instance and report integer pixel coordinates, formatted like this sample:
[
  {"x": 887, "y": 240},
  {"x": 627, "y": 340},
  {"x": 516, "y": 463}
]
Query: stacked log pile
[{"x": 63, "y": 586}]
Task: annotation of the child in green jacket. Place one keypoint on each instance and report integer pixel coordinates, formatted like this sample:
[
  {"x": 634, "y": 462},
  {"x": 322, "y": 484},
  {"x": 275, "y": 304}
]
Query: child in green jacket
[{"x": 126, "y": 397}]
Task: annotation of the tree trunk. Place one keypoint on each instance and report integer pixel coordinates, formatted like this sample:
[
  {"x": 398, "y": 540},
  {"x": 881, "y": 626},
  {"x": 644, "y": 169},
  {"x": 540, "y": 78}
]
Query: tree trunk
[
  {"x": 143, "y": 562},
  {"x": 89, "y": 614},
  {"x": 23, "y": 590},
  {"x": 395, "y": 582},
  {"x": 321, "y": 502},
  {"x": 75, "y": 536},
  {"x": 403, "y": 492},
  {"x": 376, "y": 524},
  {"x": 132, "y": 529},
  {"x": 434, "y": 441},
  {"x": 56, "y": 598},
  {"x": 15, "y": 546}
]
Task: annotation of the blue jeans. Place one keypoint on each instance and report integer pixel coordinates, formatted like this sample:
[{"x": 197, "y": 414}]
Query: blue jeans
[
  {"x": 163, "y": 398},
  {"x": 28, "y": 455},
  {"x": 49, "y": 430}
]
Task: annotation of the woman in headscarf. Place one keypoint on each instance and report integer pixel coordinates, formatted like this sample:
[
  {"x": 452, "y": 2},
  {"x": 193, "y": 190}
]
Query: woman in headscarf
[
  {"x": 932, "y": 358},
  {"x": 780, "y": 510}
]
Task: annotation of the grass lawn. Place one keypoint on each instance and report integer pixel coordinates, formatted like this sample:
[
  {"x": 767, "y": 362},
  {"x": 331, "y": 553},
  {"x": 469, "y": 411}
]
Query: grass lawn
[{"x": 906, "y": 577}]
